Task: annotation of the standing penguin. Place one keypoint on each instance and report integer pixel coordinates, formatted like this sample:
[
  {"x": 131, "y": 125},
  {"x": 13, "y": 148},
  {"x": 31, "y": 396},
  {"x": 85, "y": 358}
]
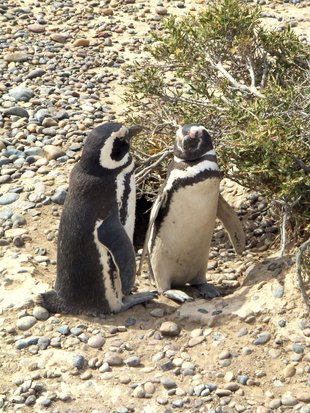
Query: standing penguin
[
  {"x": 95, "y": 256},
  {"x": 182, "y": 219}
]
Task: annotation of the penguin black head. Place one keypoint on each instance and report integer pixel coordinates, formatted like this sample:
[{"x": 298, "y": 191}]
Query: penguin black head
[
  {"x": 107, "y": 147},
  {"x": 192, "y": 142}
]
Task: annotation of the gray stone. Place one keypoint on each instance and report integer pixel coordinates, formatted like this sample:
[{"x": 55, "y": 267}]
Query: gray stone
[
  {"x": 79, "y": 361},
  {"x": 35, "y": 73},
  {"x": 6, "y": 213},
  {"x": 34, "y": 151},
  {"x": 262, "y": 338},
  {"x": 96, "y": 341},
  {"x": 53, "y": 152},
  {"x": 277, "y": 290},
  {"x": 43, "y": 343},
  {"x": 65, "y": 330},
  {"x": 41, "y": 114},
  {"x": 133, "y": 361},
  {"x": 40, "y": 313},
  {"x": 288, "y": 400},
  {"x": 25, "y": 323},
  {"x": 8, "y": 198},
  {"x": 16, "y": 111},
  {"x": 21, "y": 93},
  {"x": 114, "y": 360},
  {"x": 297, "y": 348},
  {"x": 59, "y": 197},
  {"x": 168, "y": 383}
]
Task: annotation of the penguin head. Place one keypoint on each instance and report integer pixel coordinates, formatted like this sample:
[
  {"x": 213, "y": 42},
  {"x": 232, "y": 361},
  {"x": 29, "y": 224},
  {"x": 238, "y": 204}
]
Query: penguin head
[
  {"x": 107, "y": 147},
  {"x": 192, "y": 142}
]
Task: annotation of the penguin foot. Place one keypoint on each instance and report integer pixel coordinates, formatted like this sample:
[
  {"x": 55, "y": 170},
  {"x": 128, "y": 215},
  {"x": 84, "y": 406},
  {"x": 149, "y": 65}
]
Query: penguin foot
[
  {"x": 207, "y": 290},
  {"x": 138, "y": 298},
  {"x": 52, "y": 302},
  {"x": 177, "y": 295}
]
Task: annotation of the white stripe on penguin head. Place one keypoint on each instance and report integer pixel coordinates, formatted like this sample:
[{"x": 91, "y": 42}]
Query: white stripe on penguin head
[{"x": 105, "y": 159}]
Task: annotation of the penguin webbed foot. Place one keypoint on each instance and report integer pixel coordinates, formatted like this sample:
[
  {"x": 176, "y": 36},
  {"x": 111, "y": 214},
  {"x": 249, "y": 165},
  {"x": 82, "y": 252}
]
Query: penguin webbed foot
[
  {"x": 177, "y": 295},
  {"x": 207, "y": 290},
  {"x": 137, "y": 298}
]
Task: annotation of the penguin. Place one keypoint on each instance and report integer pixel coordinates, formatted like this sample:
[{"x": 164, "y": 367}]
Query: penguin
[
  {"x": 96, "y": 265},
  {"x": 183, "y": 215}
]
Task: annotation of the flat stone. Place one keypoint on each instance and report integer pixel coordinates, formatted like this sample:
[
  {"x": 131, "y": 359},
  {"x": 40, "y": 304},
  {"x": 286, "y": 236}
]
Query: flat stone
[
  {"x": 15, "y": 232},
  {"x": 36, "y": 28},
  {"x": 169, "y": 328},
  {"x": 21, "y": 93},
  {"x": 81, "y": 42},
  {"x": 195, "y": 341},
  {"x": 262, "y": 338},
  {"x": 8, "y": 198},
  {"x": 16, "y": 57},
  {"x": 53, "y": 152},
  {"x": 35, "y": 73},
  {"x": 16, "y": 111},
  {"x": 222, "y": 392},
  {"x": 25, "y": 323},
  {"x": 303, "y": 396},
  {"x": 275, "y": 404},
  {"x": 161, "y": 11},
  {"x": 59, "y": 38},
  {"x": 288, "y": 400}
]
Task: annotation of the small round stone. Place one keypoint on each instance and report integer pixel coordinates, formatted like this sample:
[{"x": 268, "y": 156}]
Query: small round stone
[
  {"x": 78, "y": 361},
  {"x": 133, "y": 361},
  {"x": 139, "y": 392},
  {"x": 149, "y": 388},
  {"x": 168, "y": 383},
  {"x": 96, "y": 341},
  {"x": 170, "y": 329},
  {"x": 289, "y": 371},
  {"x": 262, "y": 338},
  {"x": 40, "y": 313},
  {"x": 25, "y": 323}
]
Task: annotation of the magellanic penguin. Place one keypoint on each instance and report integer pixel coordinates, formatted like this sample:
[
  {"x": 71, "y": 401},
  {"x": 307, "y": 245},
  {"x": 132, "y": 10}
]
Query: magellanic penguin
[
  {"x": 182, "y": 218},
  {"x": 95, "y": 257}
]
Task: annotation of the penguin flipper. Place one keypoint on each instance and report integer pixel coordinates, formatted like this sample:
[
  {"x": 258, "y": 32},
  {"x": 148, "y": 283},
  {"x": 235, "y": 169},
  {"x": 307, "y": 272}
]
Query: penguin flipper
[
  {"x": 137, "y": 298},
  {"x": 232, "y": 225},
  {"x": 113, "y": 236},
  {"x": 154, "y": 213}
]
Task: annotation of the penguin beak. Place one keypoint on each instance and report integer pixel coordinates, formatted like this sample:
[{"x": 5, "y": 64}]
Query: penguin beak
[{"x": 134, "y": 130}]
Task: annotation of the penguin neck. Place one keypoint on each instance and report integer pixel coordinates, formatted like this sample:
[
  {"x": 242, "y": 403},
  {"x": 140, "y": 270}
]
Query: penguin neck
[{"x": 208, "y": 156}]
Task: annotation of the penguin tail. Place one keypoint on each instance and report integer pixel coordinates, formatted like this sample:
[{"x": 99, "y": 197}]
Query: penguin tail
[{"x": 52, "y": 302}]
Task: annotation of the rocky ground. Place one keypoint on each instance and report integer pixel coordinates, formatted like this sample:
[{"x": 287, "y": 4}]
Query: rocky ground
[{"x": 60, "y": 75}]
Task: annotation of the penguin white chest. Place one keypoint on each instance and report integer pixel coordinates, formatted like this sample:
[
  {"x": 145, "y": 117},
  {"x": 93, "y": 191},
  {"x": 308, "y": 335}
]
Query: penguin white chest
[{"x": 181, "y": 248}]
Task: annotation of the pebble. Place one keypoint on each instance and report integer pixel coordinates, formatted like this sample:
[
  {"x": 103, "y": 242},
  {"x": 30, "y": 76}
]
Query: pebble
[
  {"x": 139, "y": 392},
  {"x": 168, "y": 383},
  {"x": 8, "y": 198},
  {"x": 303, "y": 397},
  {"x": 40, "y": 313},
  {"x": 149, "y": 388},
  {"x": 96, "y": 341},
  {"x": 195, "y": 341},
  {"x": 16, "y": 57},
  {"x": 53, "y": 152},
  {"x": 262, "y": 338},
  {"x": 114, "y": 360},
  {"x": 81, "y": 42},
  {"x": 59, "y": 197},
  {"x": 289, "y": 371},
  {"x": 79, "y": 361},
  {"x": 170, "y": 329},
  {"x": 297, "y": 348},
  {"x": 25, "y": 323},
  {"x": 16, "y": 111},
  {"x": 21, "y": 93},
  {"x": 133, "y": 361},
  {"x": 288, "y": 400}
]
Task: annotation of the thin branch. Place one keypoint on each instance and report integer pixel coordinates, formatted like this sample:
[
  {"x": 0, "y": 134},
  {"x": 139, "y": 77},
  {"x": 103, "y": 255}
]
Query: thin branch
[
  {"x": 300, "y": 280},
  {"x": 285, "y": 217},
  {"x": 141, "y": 175},
  {"x": 251, "y": 71},
  {"x": 233, "y": 81}
]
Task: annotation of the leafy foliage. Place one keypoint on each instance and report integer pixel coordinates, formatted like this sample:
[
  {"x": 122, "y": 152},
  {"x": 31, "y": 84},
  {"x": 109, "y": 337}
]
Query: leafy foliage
[{"x": 247, "y": 85}]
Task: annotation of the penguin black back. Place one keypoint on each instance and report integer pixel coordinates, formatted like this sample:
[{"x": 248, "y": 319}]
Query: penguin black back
[{"x": 95, "y": 256}]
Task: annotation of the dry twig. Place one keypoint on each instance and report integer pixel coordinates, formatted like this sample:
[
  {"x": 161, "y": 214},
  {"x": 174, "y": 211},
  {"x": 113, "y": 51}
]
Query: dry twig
[{"x": 300, "y": 280}]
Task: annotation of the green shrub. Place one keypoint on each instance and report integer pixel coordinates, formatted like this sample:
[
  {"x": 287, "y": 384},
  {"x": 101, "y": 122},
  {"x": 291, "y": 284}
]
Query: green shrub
[{"x": 249, "y": 86}]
